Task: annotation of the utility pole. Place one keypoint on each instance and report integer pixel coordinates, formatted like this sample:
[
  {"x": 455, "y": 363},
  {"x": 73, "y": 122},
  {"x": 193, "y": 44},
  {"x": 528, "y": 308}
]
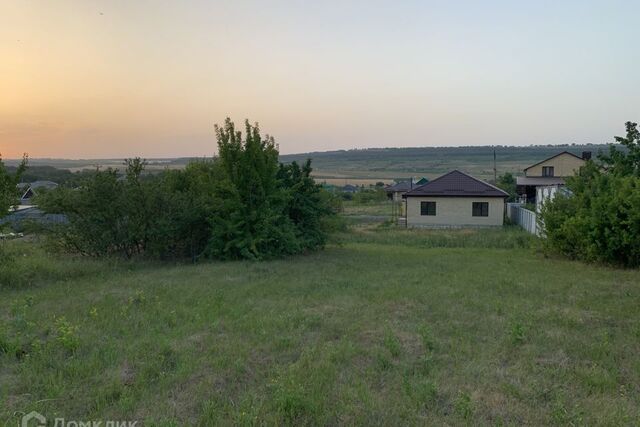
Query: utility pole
[{"x": 495, "y": 170}]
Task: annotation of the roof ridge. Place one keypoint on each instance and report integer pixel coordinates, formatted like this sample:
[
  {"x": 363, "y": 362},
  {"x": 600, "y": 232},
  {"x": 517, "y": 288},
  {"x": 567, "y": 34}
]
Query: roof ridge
[
  {"x": 435, "y": 179},
  {"x": 553, "y": 157},
  {"x": 459, "y": 181},
  {"x": 484, "y": 182}
]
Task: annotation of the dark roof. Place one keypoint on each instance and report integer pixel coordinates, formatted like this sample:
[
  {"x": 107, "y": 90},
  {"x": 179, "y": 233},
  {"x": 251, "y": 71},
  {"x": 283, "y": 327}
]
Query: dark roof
[
  {"x": 553, "y": 157},
  {"x": 540, "y": 180},
  {"x": 457, "y": 184},
  {"x": 405, "y": 185},
  {"x": 401, "y": 186},
  {"x": 38, "y": 184}
]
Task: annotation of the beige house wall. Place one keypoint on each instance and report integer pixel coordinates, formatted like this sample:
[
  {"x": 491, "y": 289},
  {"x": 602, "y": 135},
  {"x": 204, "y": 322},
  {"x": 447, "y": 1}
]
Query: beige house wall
[
  {"x": 563, "y": 165},
  {"x": 455, "y": 211}
]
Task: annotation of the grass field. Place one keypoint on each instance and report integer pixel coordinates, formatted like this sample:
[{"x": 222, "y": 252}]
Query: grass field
[
  {"x": 380, "y": 209},
  {"x": 383, "y": 327}
]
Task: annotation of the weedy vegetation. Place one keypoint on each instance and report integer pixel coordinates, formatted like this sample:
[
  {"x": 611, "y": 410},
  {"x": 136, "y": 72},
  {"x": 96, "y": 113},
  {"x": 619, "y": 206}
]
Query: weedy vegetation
[{"x": 384, "y": 326}]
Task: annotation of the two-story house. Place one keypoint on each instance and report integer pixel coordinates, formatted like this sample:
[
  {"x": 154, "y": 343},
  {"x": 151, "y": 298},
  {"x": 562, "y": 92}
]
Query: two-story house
[{"x": 549, "y": 173}]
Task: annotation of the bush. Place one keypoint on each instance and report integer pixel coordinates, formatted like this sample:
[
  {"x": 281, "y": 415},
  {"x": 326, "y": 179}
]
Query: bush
[
  {"x": 243, "y": 204},
  {"x": 600, "y": 220},
  {"x": 507, "y": 182},
  {"x": 8, "y": 182}
]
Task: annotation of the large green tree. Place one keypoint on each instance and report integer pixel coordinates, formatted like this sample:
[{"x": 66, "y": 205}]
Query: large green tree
[{"x": 250, "y": 220}]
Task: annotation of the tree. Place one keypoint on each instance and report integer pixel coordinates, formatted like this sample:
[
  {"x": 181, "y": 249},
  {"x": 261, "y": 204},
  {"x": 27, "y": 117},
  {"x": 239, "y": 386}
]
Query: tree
[
  {"x": 8, "y": 186},
  {"x": 507, "y": 182},
  {"x": 241, "y": 205},
  {"x": 306, "y": 207},
  {"x": 624, "y": 162},
  {"x": 251, "y": 220},
  {"x": 600, "y": 219}
]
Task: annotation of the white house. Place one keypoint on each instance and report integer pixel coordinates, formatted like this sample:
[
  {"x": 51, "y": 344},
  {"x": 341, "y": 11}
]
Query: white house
[{"x": 455, "y": 200}]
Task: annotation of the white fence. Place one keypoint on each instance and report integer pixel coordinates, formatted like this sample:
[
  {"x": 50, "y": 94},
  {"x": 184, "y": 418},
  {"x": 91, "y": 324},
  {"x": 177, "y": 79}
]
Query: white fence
[{"x": 523, "y": 217}]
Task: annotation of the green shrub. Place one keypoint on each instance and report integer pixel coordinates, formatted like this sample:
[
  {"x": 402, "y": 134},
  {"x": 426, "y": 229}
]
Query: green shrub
[
  {"x": 600, "y": 220},
  {"x": 243, "y": 204},
  {"x": 507, "y": 182},
  {"x": 8, "y": 190}
]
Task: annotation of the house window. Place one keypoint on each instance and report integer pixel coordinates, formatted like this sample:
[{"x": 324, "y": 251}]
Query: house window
[
  {"x": 428, "y": 208},
  {"x": 480, "y": 209},
  {"x": 547, "y": 171}
]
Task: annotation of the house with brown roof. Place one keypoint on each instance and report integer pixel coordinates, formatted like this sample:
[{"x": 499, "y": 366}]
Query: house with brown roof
[
  {"x": 548, "y": 173},
  {"x": 455, "y": 199}
]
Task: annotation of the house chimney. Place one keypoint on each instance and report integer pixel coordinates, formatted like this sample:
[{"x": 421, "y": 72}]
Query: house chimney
[{"x": 586, "y": 155}]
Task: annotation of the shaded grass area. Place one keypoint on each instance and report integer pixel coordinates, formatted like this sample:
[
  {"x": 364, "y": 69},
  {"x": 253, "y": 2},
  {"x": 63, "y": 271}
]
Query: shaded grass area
[
  {"x": 383, "y": 327},
  {"x": 508, "y": 237},
  {"x": 26, "y": 263}
]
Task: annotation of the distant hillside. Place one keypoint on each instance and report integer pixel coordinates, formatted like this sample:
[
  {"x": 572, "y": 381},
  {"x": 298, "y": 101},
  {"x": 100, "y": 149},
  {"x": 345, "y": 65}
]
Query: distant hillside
[
  {"x": 364, "y": 166},
  {"x": 390, "y": 163}
]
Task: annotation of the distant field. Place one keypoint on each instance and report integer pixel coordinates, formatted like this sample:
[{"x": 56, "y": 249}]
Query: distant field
[
  {"x": 391, "y": 163},
  {"x": 384, "y": 327},
  {"x": 364, "y": 167}
]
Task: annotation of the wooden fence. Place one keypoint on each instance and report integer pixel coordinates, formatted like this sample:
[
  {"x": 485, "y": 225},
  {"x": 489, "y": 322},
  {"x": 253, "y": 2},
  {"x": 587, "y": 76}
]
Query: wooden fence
[{"x": 523, "y": 217}]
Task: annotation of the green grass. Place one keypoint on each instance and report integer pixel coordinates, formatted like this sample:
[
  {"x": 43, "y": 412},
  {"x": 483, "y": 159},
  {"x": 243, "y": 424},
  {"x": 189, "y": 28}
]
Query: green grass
[
  {"x": 383, "y": 327},
  {"x": 352, "y": 208}
]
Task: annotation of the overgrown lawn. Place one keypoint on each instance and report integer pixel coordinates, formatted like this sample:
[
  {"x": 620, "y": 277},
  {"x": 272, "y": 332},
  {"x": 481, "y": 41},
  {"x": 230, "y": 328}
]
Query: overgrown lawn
[{"x": 383, "y": 327}]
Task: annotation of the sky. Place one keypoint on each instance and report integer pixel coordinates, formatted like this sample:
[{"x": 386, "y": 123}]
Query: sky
[{"x": 113, "y": 79}]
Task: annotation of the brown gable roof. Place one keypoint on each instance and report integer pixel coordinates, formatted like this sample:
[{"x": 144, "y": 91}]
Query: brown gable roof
[
  {"x": 457, "y": 184},
  {"x": 553, "y": 157}
]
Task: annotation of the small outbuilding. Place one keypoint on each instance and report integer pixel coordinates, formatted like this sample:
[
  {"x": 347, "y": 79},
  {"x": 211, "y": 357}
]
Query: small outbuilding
[{"x": 455, "y": 199}]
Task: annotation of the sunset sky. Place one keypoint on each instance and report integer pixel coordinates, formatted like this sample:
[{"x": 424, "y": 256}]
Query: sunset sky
[{"x": 83, "y": 79}]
